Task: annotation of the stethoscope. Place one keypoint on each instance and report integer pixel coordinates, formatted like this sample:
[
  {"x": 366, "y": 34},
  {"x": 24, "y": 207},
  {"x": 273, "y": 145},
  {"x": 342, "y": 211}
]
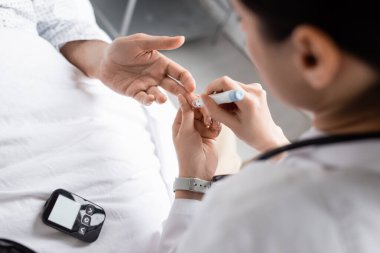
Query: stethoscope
[{"x": 319, "y": 141}]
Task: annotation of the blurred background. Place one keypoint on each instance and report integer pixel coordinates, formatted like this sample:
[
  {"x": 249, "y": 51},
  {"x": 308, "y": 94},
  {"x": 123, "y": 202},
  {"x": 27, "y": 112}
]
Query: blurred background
[{"x": 214, "y": 45}]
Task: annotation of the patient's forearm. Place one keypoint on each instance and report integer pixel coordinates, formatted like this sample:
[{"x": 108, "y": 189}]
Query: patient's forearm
[{"x": 86, "y": 55}]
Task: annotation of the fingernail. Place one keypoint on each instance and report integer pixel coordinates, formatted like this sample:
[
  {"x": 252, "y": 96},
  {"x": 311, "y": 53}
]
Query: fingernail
[{"x": 161, "y": 100}]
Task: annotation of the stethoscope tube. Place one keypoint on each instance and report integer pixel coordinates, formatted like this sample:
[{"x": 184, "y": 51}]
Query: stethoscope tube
[{"x": 320, "y": 141}]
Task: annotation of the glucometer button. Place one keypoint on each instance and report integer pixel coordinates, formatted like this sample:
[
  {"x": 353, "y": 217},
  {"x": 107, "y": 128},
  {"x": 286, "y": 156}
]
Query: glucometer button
[
  {"x": 90, "y": 210},
  {"x": 82, "y": 230},
  {"x": 86, "y": 220}
]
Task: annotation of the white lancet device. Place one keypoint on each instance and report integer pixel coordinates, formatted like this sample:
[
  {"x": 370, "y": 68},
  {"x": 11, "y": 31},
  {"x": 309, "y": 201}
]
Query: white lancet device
[{"x": 221, "y": 98}]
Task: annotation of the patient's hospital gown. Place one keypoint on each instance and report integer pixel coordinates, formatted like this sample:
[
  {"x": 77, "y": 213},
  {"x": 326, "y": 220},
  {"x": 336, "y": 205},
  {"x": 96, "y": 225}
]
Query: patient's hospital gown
[{"x": 59, "y": 129}]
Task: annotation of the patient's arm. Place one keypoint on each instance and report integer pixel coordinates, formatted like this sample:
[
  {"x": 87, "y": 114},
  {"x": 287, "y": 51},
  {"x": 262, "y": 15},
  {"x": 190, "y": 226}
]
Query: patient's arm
[
  {"x": 129, "y": 65},
  {"x": 133, "y": 66},
  {"x": 85, "y": 54}
]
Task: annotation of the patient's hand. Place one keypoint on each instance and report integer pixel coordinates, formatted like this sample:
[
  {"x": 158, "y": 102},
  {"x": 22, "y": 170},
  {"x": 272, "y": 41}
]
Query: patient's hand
[
  {"x": 133, "y": 66},
  {"x": 194, "y": 143}
]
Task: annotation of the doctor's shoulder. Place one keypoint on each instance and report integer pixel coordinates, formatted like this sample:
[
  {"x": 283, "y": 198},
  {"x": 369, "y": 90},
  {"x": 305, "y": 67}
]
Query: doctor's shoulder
[{"x": 280, "y": 208}]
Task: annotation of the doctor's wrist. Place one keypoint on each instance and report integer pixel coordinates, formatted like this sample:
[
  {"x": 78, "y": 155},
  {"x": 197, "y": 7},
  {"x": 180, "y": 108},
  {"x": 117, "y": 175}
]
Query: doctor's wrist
[
  {"x": 275, "y": 139},
  {"x": 188, "y": 195},
  {"x": 192, "y": 172}
]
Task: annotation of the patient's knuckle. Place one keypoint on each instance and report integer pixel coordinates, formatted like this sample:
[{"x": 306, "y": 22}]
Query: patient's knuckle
[
  {"x": 118, "y": 40},
  {"x": 177, "y": 90},
  {"x": 152, "y": 90},
  {"x": 140, "y": 96},
  {"x": 127, "y": 90},
  {"x": 138, "y": 36},
  {"x": 185, "y": 76},
  {"x": 182, "y": 75}
]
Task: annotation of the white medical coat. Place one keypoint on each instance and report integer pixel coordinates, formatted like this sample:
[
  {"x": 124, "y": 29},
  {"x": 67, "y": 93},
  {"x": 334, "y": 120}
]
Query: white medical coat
[{"x": 319, "y": 199}]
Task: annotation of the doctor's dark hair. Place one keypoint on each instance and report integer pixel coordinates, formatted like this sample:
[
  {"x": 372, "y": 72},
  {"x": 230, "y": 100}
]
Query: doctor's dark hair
[{"x": 353, "y": 25}]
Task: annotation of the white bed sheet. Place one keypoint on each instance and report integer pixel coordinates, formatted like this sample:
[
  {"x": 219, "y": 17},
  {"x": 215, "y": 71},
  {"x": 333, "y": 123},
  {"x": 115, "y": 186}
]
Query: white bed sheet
[{"x": 61, "y": 130}]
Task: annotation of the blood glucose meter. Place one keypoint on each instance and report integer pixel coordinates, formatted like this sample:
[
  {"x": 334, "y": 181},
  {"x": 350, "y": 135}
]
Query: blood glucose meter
[{"x": 73, "y": 215}]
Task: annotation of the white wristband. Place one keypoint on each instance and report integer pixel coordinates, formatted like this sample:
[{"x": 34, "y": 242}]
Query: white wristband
[{"x": 191, "y": 184}]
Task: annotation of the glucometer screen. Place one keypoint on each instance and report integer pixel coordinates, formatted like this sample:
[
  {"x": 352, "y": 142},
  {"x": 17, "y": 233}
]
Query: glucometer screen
[{"x": 64, "y": 212}]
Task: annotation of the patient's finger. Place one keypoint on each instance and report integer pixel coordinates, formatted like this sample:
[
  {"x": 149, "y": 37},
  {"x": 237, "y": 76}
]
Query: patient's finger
[
  {"x": 149, "y": 42},
  {"x": 204, "y": 114},
  {"x": 172, "y": 86},
  {"x": 182, "y": 75},
  {"x": 187, "y": 123},
  {"x": 141, "y": 84},
  {"x": 158, "y": 95},
  {"x": 144, "y": 98},
  {"x": 175, "y": 88}
]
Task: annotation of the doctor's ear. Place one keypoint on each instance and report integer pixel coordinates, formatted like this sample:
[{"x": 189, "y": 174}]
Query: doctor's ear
[{"x": 316, "y": 56}]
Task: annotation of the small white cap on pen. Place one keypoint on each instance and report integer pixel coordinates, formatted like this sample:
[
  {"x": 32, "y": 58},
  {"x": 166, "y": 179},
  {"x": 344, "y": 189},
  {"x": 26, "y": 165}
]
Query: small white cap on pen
[
  {"x": 198, "y": 103},
  {"x": 222, "y": 98}
]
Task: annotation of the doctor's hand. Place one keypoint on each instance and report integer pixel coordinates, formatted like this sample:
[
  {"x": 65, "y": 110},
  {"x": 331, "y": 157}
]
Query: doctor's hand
[
  {"x": 250, "y": 118},
  {"x": 195, "y": 143}
]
